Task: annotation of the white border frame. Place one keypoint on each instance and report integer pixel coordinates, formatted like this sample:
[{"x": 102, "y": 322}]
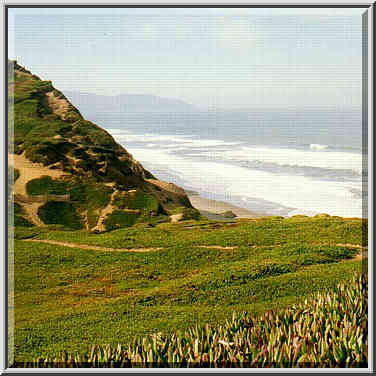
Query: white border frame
[{"x": 3, "y": 172}]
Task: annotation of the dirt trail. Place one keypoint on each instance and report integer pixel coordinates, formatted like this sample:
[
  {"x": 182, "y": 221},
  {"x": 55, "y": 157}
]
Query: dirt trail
[
  {"x": 216, "y": 247},
  {"x": 29, "y": 171},
  {"x": 93, "y": 247},
  {"x": 352, "y": 246},
  {"x": 107, "y": 210},
  {"x": 31, "y": 211}
]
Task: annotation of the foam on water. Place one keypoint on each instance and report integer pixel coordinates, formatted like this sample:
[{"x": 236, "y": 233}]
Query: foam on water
[
  {"x": 151, "y": 138},
  {"x": 318, "y": 147},
  {"x": 335, "y": 160},
  {"x": 301, "y": 193},
  {"x": 188, "y": 141},
  {"x": 317, "y": 156}
]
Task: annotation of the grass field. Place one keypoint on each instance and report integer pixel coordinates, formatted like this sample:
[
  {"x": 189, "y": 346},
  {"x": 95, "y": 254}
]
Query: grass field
[{"x": 68, "y": 299}]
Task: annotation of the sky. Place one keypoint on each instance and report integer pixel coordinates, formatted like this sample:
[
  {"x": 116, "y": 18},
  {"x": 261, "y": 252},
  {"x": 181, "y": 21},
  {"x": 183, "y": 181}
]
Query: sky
[{"x": 215, "y": 57}]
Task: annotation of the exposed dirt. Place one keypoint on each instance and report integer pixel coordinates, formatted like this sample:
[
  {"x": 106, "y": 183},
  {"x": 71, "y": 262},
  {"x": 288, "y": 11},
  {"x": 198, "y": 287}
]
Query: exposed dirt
[
  {"x": 216, "y": 247},
  {"x": 17, "y": 71},
  {"x": 360, "y": 256},
  {"x": 59, "y": 106},
  {"x": 351, "y": 246},
  {"x": 176, "y": 217},
  {"x": 28, "y": 171},
  {"x": 170, "y": 187},
  {"x": 86, "y": 221},
  {"x": 93, "y": 247},
  {"x": 31, "y": 211},
  {"x": 104, "y": 213}
]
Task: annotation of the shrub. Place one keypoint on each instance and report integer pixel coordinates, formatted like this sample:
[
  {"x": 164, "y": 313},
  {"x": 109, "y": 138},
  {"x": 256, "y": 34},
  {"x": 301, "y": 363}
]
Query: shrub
[
  {"x": 16, "y": 174},
  {"x": 92, "y": 194},
  {"x": 92, "y": 218},
  {"x": 18, "y": 214},
  {"x": 189, "y": 213},
  {"x": 63, "y": 213},
  {"x": 136, "y": 200},
  {"x": 21, "y": 221},
  {"x": 46, "y": 185},
  {"x": 118, "y": 219}
]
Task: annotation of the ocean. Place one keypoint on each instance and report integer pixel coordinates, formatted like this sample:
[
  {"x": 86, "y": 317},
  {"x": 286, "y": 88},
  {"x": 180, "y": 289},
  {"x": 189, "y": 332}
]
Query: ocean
[{"x": 276, "y": 162}]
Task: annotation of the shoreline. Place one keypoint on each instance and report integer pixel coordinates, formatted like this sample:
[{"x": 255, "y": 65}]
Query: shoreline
[{"x": 214, "y": 209}]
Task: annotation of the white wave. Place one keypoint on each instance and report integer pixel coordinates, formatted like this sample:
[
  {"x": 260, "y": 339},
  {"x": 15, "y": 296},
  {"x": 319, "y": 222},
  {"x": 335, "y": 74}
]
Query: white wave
[
  {"x": 206, "y": 142},
  {"x": 116, "y": 131},
  {"x": 150, "y": 137},
  {"x": 173, "y": 140},
  {"x": 302, "y": 193},
  {"x": 318, "y": 147},
  {"x": 292, "y": 157}
]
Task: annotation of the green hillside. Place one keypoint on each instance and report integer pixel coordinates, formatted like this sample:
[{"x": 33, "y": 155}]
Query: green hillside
[{"x": 80, "y": 174}]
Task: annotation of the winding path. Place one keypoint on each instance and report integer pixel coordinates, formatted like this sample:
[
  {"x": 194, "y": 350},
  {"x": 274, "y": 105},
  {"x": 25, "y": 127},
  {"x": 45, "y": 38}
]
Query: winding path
[{"x": 93, "y": 247}]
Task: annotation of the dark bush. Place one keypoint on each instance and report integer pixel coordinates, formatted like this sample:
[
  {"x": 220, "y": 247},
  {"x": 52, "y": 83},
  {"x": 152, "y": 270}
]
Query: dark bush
[
  {"x": 62, "y": 213},
  {"x": 46, "y": 185},
  {"x": 118, "y": 219}
]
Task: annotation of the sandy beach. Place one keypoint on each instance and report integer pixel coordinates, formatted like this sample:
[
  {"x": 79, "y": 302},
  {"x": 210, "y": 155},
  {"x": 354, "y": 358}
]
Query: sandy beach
[{"x": 213, "y": 208}]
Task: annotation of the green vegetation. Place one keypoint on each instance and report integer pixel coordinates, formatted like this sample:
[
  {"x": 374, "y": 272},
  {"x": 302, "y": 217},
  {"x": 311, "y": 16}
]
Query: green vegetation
[
  {"x": 28, "y": 233},
  {"x": 19, "y": 219},
  {"x": 63, "y": 213},
  {"x": 146, "y": 208},
  {"x": 46, "y": 185},
  {"x": 136, "y": 200},
  {"x": 327, "y": 330},
  {"x": 91, "y": 195},
  {"x": 16, "y": 174},
  {"x": 13, "y": 175},
  {"x": 92, "y": 218},
  {"x": 69, "y": 299},
  {"x": 119, "y": 219},
  {"x": 188, "y": 213},
  {"x": 262, "y": 232}
]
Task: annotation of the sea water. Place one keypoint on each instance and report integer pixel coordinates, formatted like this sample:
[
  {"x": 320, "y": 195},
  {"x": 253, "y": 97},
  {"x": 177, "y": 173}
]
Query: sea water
[{"x": 277, "y": 162}]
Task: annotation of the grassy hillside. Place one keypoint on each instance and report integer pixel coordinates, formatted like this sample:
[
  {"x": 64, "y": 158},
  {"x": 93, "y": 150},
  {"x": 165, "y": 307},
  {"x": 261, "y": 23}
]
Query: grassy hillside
[
  {"x": 59, "y": 153},
  {"x": 173, "y": 276}
]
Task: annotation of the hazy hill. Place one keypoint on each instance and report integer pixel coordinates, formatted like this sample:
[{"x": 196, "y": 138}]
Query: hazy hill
[
  {"x": 89, "y": 103},
  {"x": 69, "y": 171}
]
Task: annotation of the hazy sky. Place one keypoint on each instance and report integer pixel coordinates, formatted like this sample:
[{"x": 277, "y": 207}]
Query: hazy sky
[{"x": 227, "y": 58}]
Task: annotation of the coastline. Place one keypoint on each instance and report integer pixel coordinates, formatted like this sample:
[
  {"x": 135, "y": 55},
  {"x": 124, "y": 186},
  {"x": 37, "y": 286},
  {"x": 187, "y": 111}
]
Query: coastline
[{"x": 213, "y": 208}]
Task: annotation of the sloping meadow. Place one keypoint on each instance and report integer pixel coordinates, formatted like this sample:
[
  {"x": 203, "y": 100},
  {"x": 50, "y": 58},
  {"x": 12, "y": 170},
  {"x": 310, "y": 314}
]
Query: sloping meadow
[
  {"x": 196, "y": 276},
  {"x": 326, "y": 330}
]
